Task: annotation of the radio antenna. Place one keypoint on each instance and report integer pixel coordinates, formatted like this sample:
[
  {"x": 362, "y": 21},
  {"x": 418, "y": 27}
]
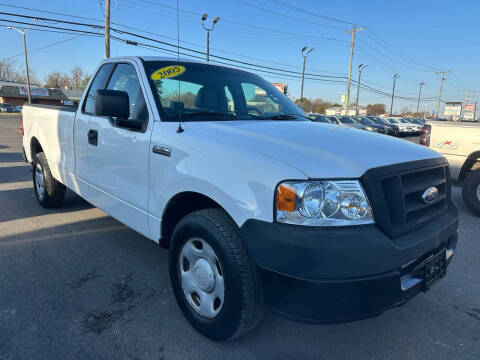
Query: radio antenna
[{"x": 180, "y": 127}]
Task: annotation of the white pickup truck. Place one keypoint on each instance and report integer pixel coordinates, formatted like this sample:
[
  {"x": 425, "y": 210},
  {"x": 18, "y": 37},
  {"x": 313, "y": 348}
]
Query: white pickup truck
[
  {"x": 459, "y": 142},
  {"x": 259, "y": 206}
]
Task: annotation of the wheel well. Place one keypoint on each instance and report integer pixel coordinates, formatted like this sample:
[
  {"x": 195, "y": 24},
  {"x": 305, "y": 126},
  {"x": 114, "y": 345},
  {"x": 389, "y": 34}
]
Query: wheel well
[
  {"x": 35, "y": 147},
  {"x": 178, "y": 207},
  {"x": 472, "y": 163}
]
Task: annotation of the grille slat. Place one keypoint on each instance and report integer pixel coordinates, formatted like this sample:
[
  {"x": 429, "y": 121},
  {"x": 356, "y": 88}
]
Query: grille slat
[
  {"x": 421, "y": 185},
  {"x": 395, "y": 192},
  {"x": 413, "y": 206}
]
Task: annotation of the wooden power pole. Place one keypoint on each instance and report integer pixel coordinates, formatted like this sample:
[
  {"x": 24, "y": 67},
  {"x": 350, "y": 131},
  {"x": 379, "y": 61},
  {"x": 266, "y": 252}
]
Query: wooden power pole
[
  {"x": 107, "y": 29},
  {"x": 352, "y": 47}
]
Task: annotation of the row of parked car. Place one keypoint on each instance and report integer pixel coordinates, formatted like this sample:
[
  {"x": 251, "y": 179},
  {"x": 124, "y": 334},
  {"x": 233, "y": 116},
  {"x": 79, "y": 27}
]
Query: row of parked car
[
  {"x": 396, "y": 126},
  {"x": 9, "y": 108}
]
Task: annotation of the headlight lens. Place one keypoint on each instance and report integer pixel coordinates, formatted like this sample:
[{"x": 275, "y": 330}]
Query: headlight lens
[{"x": 322, "y": 203}]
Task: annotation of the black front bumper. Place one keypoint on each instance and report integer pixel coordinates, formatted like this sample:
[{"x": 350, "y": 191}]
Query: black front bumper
[{"x": 325, "y": 275}]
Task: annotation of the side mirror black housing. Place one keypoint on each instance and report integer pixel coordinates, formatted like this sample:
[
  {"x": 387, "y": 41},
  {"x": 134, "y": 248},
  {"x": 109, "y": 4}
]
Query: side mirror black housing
[{"x": 114, "y": 103}]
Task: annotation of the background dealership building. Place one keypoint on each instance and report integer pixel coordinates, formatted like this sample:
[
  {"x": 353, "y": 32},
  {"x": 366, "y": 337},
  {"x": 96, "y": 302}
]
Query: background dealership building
[{"x": 15, "y": 93}]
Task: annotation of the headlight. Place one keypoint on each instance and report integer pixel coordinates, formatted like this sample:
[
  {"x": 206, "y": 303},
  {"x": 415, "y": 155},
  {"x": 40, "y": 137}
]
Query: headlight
[{"x": 322, "y": 203}]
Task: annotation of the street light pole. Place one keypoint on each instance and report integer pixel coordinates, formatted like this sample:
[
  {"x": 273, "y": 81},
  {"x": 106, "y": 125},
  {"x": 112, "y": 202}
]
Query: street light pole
[
  {"x": 208, "y": 29},
  {"x": 23, "y": 32},
  {"x": 395, "y": 77},
  {"x": 360, "y": 69},
  {"x": 419, "y": 92},
  {"x": 305, "y": 53}
]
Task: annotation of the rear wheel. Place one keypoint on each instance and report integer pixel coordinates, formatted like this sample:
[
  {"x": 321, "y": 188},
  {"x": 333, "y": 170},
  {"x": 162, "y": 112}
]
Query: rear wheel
[
  {"x": 49, "y": 192},
  {"x": 213, "y": 278},
  {"x": 471, "y": 191}
]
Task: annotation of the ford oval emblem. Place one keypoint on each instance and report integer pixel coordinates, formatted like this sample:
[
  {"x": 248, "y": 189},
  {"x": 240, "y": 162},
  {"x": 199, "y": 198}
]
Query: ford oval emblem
[{"x": 430, "y": 195}]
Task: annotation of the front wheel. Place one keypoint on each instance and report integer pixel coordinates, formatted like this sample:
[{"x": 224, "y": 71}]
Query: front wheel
[
  {"x": 49, "y": 192},
  {"x": 471, "y": 192},
  {"x": 213, "y": 278}
]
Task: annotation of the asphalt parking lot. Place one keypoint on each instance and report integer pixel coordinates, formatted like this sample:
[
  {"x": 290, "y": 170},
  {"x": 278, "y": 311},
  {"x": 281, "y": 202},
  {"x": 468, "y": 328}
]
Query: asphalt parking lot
[{"x": 77, "y": 284}]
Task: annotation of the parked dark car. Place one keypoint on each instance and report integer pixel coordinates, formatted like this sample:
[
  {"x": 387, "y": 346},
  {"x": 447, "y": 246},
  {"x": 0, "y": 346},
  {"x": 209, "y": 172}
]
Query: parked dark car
[
  {"x": 5, "y": 107},
  {"x": 350, "y": 122},
  {"x": 392, "y": 129},
  {"x": 319, "y": 118},
  {"x": 366, "y": 121}
]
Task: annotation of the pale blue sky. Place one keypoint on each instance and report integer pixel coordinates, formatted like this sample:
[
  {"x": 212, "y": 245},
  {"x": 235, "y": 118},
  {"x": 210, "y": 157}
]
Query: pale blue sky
[{"x": 436, "y": 34}]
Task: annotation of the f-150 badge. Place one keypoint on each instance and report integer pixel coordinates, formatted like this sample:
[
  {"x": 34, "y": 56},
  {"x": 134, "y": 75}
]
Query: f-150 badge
[{"x": 447, "y": 144}]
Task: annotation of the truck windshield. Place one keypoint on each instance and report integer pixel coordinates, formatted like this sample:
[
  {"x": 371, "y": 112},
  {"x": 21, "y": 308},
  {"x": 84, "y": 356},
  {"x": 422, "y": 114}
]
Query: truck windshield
[{"x": 201, "y": 92}]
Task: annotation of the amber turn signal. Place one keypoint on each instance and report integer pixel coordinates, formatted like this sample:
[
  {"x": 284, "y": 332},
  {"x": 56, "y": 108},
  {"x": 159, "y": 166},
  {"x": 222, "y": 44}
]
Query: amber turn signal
[{"x": 286, "y": 198}]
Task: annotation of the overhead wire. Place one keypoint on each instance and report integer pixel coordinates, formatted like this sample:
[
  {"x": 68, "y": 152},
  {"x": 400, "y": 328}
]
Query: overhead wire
[{"x": 196, "y": 53}]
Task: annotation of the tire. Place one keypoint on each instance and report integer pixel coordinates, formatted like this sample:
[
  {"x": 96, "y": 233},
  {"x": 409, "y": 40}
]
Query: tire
[
  {"x": 53, "y": 192},
  {"x": 242, "y": 307},
  {"x": 471, "y": 191}
]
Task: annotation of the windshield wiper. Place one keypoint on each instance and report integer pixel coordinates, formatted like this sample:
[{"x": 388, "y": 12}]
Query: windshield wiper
[
  {"x": 284, "y": 117},
  {"x": 207, "y": 114}
]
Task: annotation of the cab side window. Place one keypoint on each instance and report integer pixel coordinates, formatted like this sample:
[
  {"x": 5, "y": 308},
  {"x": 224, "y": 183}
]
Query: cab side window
[
  {"x": 124, "y": 78},
  {"x": 98, "y": 83}
]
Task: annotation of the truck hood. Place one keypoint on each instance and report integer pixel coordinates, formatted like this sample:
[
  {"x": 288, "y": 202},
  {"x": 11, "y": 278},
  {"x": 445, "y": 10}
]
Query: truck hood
[{"x": 318, "y": 150}]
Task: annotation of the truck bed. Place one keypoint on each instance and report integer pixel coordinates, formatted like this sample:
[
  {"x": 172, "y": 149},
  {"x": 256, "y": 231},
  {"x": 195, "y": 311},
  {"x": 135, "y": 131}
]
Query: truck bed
[{"x": 52, "y": 127}]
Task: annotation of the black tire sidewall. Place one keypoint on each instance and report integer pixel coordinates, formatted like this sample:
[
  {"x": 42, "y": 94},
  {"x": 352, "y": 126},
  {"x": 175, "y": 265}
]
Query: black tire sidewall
[
  {"x": 226, "y": 323},
  {"x": 39, "y": 161},
  {"x": 469, "y": 192}
]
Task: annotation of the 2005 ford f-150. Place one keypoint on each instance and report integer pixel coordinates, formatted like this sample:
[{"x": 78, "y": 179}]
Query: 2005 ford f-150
[{"x": 258, "y": 206}]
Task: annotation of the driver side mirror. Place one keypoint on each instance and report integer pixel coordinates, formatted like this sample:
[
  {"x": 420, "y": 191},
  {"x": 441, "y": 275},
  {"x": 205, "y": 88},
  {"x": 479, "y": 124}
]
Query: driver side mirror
[{"x": 114, "y": 103}]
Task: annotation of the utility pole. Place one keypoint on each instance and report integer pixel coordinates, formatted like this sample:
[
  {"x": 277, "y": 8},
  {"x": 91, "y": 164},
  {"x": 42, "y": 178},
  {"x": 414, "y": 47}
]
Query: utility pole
[
  {"x": 305, "y": 53},
  {"x": 442, "y": 79},
  {"x": 23, "y": 32},
  {"x": 360, "y": 69},
  {"x": 419, "y": 92},
  {"x": 395, "y": 77},
  {"x": 208, "y": 29},
  {"x": 352, "y": 46},
  {"x": 107, "y": 29}
]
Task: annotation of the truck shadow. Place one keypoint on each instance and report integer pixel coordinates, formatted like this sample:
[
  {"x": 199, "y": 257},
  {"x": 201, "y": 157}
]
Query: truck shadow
[
  {"x": 11, "y": 156},
  {"x": 14, "y": 174},
  {"x": 117, "y": 288},
  {"x": 22, "y": 203}
]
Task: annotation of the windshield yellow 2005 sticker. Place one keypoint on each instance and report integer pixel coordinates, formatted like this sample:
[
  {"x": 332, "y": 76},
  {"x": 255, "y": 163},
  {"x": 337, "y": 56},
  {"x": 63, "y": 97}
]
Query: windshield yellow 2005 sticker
[{"x": 168, "y": 72}]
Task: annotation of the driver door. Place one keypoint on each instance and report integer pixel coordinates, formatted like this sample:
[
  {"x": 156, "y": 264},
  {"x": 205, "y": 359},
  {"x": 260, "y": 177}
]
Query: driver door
[{"x": 118, "y": 160}]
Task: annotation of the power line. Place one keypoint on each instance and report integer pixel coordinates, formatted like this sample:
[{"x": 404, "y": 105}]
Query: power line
[
  {"x": 287, "y": 16},
  {"x": 50, "y": 12},
  {"x": 199, "y": 54},
  {"x": 229, "y": 21},
  {"x": 391, "y": 48},
  {"x": 46, "y": 46},
  {"x": 292, "y": 7}
]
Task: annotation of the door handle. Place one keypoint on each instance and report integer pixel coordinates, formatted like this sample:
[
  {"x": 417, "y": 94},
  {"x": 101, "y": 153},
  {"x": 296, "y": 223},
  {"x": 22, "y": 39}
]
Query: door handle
[
  {"x": 162, "y": 150},
  {"x": 93, "y": 137}
]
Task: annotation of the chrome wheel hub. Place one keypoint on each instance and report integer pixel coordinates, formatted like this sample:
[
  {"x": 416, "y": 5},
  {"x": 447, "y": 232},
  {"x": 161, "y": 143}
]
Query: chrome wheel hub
[
  {"x": 201, "y": 277},
  {"x": 39, "y": 182}
]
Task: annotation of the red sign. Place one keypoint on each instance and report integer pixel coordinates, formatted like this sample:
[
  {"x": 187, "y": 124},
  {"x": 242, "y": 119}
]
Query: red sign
[
  {"x": 281, "y": 86},
  {"x": 469, "y": 107}
]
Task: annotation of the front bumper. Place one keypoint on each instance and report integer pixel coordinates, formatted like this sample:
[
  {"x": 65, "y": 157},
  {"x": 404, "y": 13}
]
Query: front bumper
[{"x": 326, "y": 275}]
